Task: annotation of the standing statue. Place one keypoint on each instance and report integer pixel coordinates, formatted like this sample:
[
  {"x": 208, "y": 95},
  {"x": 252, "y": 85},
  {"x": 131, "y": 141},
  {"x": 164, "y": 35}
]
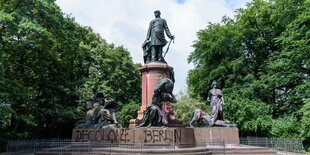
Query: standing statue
[
  {"x": 155, "y": 39},
  {"x": 100, "y": 113},
  {"x": 216, "y": 99},
  {"x": 154, "y": 115}
]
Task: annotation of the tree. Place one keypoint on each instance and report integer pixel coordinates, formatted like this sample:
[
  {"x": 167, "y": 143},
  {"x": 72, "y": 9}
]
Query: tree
[
  {"x": 305, "y": 123},
  {"x": 49, "y": 65},
  {"x": 261, "y": 60},
  {"x": 127, "y": 112}
]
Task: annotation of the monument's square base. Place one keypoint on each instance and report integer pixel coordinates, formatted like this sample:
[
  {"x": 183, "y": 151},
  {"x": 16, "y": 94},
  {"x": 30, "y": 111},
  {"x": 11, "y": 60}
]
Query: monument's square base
[
  {"x": 152, "y": 73},
  {"x": 156, "y": 140},
  {"x": 157, "y": 135}
]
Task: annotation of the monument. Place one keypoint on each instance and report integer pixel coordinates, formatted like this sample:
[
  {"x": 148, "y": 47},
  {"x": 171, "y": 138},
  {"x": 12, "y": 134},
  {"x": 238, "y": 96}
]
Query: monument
[
  {"x": 155, "y": 124},
  {"x": 153, "y": 71},
  {"x": 155, "y": 130}
]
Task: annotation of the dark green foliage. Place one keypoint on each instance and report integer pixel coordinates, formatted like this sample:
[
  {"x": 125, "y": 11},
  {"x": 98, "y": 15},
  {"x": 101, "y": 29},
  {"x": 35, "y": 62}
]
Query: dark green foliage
[
  {"x": 287, "y": 127},
  {"x": 261, "y": 59},
  {"x": 305, "y": 123},
  {"x": 252, "y": 117},
  {"x": 185, "y": 106},
  {"x": 128, "y": 112},
  {"x": 49, "y": 65}
]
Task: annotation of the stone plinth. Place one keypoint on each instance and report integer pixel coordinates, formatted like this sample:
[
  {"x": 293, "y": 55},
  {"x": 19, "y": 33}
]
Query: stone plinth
[
  {"x": 157, "y": 135},
  {"x": 216, "y": 134},
  {"x": 154, "y": 141},
  {"x": 152, "y": 73}
]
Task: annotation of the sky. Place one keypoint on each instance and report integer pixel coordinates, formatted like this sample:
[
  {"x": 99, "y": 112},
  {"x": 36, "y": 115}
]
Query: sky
[{"x": 125, "y": 23}]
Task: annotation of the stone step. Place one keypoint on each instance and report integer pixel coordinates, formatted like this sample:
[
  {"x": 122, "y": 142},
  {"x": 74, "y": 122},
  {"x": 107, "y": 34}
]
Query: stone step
[
  {"x": 183, "y": 151},
  {"x": 203, "y": 152},
  {"x": 249, "y": 153},
  {"x": 108, "y": 153},
  {"x": 244, "y": 150},
  {"x": 232, "y": 150},
  {"x": 120, "y": 151}
]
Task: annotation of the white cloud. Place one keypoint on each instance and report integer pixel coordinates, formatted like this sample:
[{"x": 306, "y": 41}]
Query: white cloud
[{"x": 125, "y": 22}]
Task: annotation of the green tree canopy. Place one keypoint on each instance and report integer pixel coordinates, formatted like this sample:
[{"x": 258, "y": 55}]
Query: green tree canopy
[
  {"x": 261, "y": 61},
  {"x": 49, "y": 65}
]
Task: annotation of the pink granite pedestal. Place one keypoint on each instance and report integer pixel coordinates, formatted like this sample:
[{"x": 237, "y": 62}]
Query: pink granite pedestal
[{"x": 152, "y": 73}]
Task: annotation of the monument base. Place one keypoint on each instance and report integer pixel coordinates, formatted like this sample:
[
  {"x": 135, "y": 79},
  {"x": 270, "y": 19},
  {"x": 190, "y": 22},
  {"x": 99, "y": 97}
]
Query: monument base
[
  {"x": 157, "y": 135},
  {"x": 156, "y": 140},
  {"x": 217, "y": 134},
  {"x": 151, "y": 74}
]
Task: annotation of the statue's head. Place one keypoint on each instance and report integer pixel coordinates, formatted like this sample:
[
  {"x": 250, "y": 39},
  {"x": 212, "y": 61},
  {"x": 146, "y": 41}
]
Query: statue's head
[
  {"x": 157, "y": 13},
  {"x": 89, "y": 104},
  {"x": 98, "y": 96},
  {"x": 213, "y": 85},
  {"x": 169, "y": 85}
]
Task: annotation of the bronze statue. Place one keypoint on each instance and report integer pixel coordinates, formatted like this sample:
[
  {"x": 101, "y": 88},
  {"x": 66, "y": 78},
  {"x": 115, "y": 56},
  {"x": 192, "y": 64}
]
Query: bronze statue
[
  {"x": 200, "y": 114},
  {"x": 155, "y": 39},
  {"x": 154, "y": 115},
  {"x": 208, "y": 120},
  {"x": 100, "y": 113},
  {"x": 216, "y": 99}
]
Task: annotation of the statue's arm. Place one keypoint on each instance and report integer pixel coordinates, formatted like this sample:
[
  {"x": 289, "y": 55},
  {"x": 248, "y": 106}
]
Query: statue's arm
[
  {"x": 149, "y": 31},
  {"x": 223, "y": 100},
  {"x": 167, "y": 30},
  {"x": 174, "y": 99},
  {"x": 209, "y": 96}
]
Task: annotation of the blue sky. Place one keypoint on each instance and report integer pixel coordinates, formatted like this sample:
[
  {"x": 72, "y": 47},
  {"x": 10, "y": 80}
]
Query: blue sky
[
  {"x": 125, "y": 22},
  {"x": 180, "y": 1}
]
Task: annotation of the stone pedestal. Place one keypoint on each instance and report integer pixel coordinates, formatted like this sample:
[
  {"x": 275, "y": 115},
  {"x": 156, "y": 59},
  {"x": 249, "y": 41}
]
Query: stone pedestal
[
  {"x": 152, "y": 73},
  {"x": 156, "y": 136},
  {"x": 217, "y": 134},
  {"x": 154, "y": 141}
]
